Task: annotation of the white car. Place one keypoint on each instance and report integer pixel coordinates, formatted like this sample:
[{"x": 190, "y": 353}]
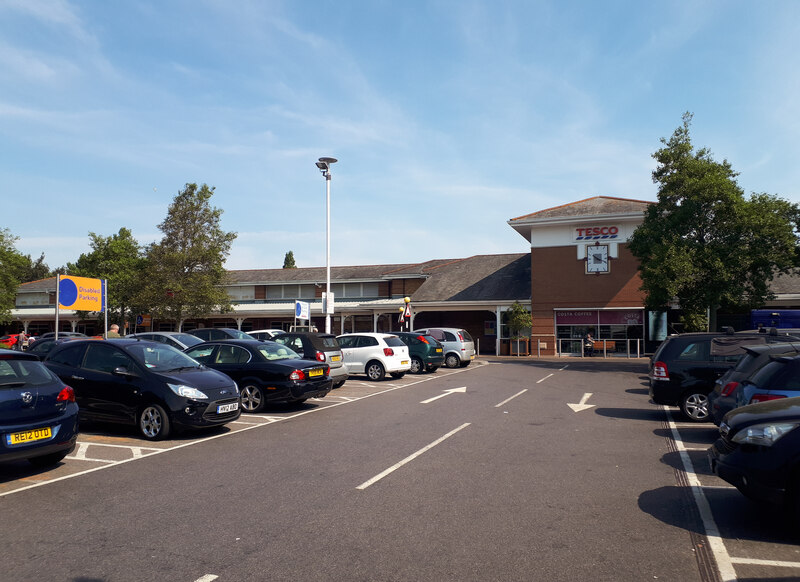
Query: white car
[
  {"x": 375, "y": 354},
  {"x": 265, "y": 334}
]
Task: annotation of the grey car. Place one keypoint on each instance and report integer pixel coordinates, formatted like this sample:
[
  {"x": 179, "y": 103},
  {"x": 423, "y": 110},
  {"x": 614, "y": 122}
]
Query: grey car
[
  {"x": 176, "y": 339},
  {"x": 459, "y": 348}
]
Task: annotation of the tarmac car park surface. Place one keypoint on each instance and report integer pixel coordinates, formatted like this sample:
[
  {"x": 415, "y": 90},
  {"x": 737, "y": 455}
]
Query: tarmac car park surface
[{"x": 670, "y": 518}]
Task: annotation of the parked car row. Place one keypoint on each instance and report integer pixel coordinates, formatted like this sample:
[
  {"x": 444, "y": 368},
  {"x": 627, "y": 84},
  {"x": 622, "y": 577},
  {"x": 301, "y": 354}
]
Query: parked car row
[
  {"x": 686, "y": 366},
  {"x": 163, "y": 382},
  {"x": 749, "y": 385}
]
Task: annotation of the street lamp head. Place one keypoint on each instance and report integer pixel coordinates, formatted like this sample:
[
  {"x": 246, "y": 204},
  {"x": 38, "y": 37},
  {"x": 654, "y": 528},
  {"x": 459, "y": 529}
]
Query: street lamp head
[{"x": 324, "y": 165}]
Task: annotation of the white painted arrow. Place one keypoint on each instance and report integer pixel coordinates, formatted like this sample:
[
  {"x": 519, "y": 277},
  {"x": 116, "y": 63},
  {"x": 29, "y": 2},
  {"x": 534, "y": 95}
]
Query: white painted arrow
[
  {"x": 582, "y": 404},
  {"x": 446, "y": 392}
]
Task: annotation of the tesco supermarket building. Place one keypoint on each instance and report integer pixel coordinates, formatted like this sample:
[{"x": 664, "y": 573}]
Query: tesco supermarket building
[{"x": 578, "y": 277}]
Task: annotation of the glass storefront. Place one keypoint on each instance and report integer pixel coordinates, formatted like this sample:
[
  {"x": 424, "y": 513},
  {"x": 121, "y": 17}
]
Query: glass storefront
[{"x": 614, "y": 326}]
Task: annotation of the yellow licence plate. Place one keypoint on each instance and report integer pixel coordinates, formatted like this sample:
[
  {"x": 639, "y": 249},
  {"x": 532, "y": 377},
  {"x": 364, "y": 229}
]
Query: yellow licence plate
[
  {"x": 315, "y": 372},
  {"x": 438, "y": 350},
  {"x": 336, "y": 358},
  {"x": 38, "y": 434}
]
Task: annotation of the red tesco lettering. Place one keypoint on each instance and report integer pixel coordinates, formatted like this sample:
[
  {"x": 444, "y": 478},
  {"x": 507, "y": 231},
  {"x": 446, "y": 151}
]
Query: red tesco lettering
[{"x": 597, "y": 230}]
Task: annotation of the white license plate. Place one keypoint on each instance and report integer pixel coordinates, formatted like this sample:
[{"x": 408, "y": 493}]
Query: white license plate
[{"x": 222, "y": 408}]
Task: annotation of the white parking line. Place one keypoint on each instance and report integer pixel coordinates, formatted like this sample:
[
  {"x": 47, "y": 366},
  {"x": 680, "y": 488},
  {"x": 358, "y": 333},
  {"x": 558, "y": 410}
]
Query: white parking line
[
  {"x": 512, "y": 398},
  {"x": 724, "y": 563},
  {"x": 410, "y": 458},
  {"x": 543, "y": 379},
  {"x": 754, "y": 562},
  {"x": 207, "y": 578}
]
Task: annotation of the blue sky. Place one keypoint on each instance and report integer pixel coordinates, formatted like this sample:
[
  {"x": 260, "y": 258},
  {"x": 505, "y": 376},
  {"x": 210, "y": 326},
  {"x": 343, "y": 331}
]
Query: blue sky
[{"x": 448, "y": 118}]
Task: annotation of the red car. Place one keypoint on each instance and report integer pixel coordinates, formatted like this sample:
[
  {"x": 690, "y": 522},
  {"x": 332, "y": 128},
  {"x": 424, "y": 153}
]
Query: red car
[{"x": 11, "y": 341}]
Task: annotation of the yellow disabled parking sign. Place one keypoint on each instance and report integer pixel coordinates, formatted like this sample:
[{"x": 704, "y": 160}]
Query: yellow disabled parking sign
[{"x": 81, "y": 293}]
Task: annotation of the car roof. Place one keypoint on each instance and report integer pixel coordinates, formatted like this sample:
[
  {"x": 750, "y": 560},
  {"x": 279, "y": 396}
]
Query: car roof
[
  {"x": 369, "y": 333},
  {"x": 234, "y": 341},
  {"x": 15, "y": 355}
]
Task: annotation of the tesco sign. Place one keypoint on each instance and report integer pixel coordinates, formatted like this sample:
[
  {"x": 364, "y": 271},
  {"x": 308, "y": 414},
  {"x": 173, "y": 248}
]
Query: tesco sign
[{"x": 596, "y": 232}]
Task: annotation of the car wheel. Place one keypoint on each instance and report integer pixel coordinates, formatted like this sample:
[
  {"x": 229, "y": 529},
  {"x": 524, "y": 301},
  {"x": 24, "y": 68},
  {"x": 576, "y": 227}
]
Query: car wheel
[
  {"x": 452, "y": 361},
  {"x": 432, "y": 369},
  {"x": 154, "y": 422},
  {"x": 398, "y": 375},
  {"x": 47, "y": 460},
  {"x": 694, "y": 406},
  {"x": 417, "y": 367},
  {"x": 375, "y": 371},
  {"x": 252, "y": 398},
  {"x": 339, "y": 384}
]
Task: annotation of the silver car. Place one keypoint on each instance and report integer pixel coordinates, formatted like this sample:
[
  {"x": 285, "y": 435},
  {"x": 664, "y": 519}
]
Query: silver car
[{"x": 459, "y": 349}]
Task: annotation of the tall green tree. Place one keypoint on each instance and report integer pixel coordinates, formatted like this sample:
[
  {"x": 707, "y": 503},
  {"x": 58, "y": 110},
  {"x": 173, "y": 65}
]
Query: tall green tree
[
  {"x": 288, "y": 261},
  {"x": 120, "y": 260},
  {"x": 11, "y": 266},
  {"x": 34, "y": 270},
  {"x": 704, "y": 243},
  {"x": 186, "y": 273}
]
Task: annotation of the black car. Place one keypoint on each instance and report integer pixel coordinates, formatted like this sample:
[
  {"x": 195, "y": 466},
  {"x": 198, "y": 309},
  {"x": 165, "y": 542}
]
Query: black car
[
  {"x": 218, "y": 333},
  {"x": 685, "y": 366},
  {"x": 759, "y": 452},
  {"x": 62, "y": 334},
  {"x": 38, "y": 413},
  {"x": 427, "y": 353},
  {"x": 43, "y": 347},
  {"x": 265, "y": 371},
  {"x": 147, "y": 384},
  {"x": 320, "y": 347},
  {"x": 722, "y": 399}
]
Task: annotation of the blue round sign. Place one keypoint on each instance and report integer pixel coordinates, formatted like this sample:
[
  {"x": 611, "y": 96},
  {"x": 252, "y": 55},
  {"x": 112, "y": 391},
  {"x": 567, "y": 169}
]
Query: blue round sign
[
  {"x": 67, "y": 292},
  {"x": 298, "y": 309}
]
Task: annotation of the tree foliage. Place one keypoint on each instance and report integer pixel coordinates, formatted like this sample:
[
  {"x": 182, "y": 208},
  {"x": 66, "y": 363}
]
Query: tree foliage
[
  {"x": 517, "y": 318},
  {"x": 288, "y": 261},
  {"x": 186, "y": 274},
  {"x": 11, "y": 265},
  {"x": 704, "y": 242},
  {"x": 120, "y": 260}
]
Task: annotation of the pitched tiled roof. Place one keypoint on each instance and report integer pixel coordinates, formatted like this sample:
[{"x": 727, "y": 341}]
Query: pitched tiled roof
[
  {"x": 596, "y": 206},
  {"x": 479, "y": 278}
]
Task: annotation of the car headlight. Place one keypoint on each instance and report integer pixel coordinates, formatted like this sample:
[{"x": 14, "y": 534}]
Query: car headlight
[
  {"x": 187, "y": 391},
  {"x": 765, "y": 435},
  {"x": 236, "y": 388}
]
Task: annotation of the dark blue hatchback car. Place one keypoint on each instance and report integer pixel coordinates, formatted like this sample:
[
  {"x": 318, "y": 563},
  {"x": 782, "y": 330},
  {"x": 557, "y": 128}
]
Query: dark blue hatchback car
[{"x": 38, "y": 413}]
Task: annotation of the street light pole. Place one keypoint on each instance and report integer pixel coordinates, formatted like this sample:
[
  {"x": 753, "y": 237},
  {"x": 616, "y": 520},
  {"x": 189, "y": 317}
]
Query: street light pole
[{"x": 324, "y": 165}]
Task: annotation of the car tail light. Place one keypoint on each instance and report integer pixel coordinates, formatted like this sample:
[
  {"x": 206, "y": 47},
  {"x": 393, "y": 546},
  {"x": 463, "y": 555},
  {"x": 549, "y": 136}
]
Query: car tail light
[
  {"x": 660, "y": 371},
  {"x": 460, "y": 337},
  {"x": 388, "y": 352},
  {"x": 320, "y": 356},
  {"x": 67, "y": 394},
  {"x": 728, "y": 389},
  {"x": 297, "y": 375},
  {"x": 765, "y": 398},
  {"x": 422, "y": 339}
]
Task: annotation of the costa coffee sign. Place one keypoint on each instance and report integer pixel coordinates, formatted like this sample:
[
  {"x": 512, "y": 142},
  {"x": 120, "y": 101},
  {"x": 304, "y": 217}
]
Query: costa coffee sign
[{"x": 596, "y": 233}]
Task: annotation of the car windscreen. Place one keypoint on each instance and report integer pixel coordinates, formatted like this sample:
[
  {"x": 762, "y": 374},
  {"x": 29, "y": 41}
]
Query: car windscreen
[
  {"x": 160, "y": 357},
  {"x": 236, "y": 334},
  {"x": 330, "y": 342},
  {"x": 394, "y": 342},
  {"x": 21, "y": 373},
  {"x": 187, "y": 339},
  {"x": 273, "y": 351}
]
